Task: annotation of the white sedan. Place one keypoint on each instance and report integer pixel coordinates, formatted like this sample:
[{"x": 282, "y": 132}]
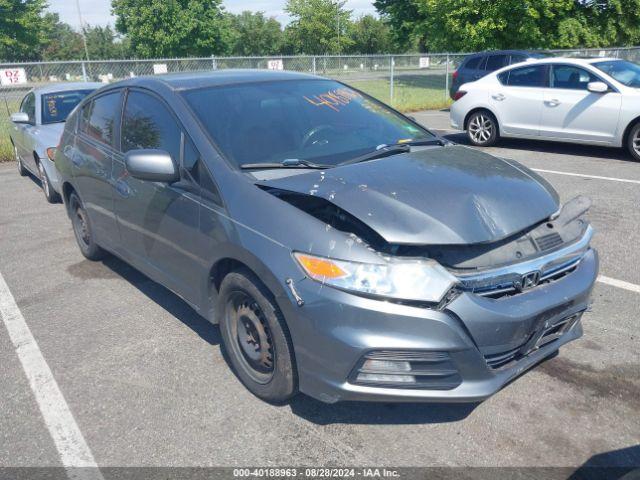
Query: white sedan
[{"x": 592, "y": 101}]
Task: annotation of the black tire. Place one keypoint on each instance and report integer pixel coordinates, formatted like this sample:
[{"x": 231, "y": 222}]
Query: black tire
[
  {"x": 256, "y": 338},
  {"x": 633, "y": 142},
  {"x": 483, "y": 129},
  {"x": 21, "y": 170},
  {"x": 83, "y": 231},
  {"x": 49, "y": 193}
]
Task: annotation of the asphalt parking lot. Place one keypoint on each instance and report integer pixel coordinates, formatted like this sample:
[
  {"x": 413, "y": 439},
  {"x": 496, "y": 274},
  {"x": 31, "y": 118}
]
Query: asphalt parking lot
[{"x": 145, "y": 381}]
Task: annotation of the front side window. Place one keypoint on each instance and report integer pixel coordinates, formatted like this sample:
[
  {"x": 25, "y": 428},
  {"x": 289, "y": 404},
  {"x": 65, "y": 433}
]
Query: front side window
[
  {"x": 29, "y": 107},
  {"x": 57, "y": 106},
  {"x": 627, "y": 73},
  {"x": 320, "y": 121},
  {"x": 534, "y": 76},
  {"x": 148, "y": 124},
  {"x": 99, "y": 117},
  {"x": 570, "y": 77}
]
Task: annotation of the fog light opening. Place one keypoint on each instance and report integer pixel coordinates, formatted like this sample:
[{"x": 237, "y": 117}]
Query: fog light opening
[{"x": 386, "y": 378}]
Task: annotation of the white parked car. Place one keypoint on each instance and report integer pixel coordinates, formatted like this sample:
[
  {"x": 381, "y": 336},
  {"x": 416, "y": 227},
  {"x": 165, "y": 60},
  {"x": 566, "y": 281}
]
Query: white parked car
[
  {"x": 37, "y": 128},
  {"x": 593, "y": 101}
]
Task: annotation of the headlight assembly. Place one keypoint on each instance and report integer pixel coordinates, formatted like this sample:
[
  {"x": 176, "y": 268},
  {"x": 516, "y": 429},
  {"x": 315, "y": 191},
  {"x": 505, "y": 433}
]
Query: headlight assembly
[{"x": 418, "y": 280}]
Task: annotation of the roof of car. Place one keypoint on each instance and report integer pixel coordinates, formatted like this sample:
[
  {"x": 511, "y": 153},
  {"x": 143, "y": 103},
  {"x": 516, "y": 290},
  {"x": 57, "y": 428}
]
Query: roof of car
[
  {"x": 66, "y": 86},
  {"x": 189, "y": 80},
  {"x": 571, "y": 60},
  {"x": 503, "y": 52}
]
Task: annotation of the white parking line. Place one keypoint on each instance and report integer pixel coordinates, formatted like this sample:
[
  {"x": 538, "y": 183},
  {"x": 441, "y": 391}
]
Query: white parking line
[
  {"x": 619, "y": 283},
  {"x": 71, "y": 445},
  {"x": 597, "y": 177}
]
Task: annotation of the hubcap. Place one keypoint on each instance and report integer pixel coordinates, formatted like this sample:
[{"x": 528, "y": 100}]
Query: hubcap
[
  {"x": 480, "y": 128},
  {"x": 251, "y": 336},
  {"x": 636, "y": 143},
  {"x": 82, "y": 227}
]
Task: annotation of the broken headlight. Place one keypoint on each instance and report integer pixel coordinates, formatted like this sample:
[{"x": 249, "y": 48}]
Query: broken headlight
[{"x": 418, "y": 280}]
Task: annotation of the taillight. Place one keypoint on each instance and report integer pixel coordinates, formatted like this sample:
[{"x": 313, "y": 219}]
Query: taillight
[
  {"x": 455, "y": 75},
  {"x": 51, "y": 153},
  {"x": 458, "y": 95}
]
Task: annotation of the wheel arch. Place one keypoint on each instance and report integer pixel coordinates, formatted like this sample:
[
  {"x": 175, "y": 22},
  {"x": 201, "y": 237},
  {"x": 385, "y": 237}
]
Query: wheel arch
[
  {"x": 478, "y": 109},
  {"x": 67, "y": 190},
  {"x": 627, "y": 130}
]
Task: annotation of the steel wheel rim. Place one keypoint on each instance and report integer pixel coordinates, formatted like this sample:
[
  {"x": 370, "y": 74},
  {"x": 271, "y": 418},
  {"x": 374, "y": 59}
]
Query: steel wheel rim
[
  {"x": 81, "y": 226},
  {"x": 251, "y": 338},
  {"x": 636, "y": 142},
  {"x": 480, "y": 128},
  {"x": 43, "y": 179}
]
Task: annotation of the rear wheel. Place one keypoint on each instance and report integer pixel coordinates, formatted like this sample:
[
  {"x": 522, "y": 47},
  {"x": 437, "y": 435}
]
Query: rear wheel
[
  {"x": 21, "y": 170},
  {"x": 49, "y": 193},
  {"x": 482, "y": 129},
  {"x": 256, "y": 338},
  {"x": 83, "y": 231},
  {"x": 633, "y": 142}
]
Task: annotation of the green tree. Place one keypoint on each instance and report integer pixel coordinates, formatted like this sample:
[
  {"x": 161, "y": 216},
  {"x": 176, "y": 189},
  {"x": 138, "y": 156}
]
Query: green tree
[
  {"x": 174, "y": 28},
  {"x": 256, "y": 34},
  {"x": 103, "y": 43},
  {"x": 470, "y": 25},
  {"x": 403, "y": 17},
  {"x": 23, "y": 29},
  {"x": 318, "y": 27},
  {"x": 370, "y": 35},
  {"x": 63, "y": 42}
]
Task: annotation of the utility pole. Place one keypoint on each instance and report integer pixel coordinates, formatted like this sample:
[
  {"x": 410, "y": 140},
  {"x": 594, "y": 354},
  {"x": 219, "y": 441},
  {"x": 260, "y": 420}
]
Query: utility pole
[{"x": 84, "y": 38}]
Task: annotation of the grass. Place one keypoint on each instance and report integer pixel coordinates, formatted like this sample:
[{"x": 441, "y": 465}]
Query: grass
[{"x": 412, "y": 92}]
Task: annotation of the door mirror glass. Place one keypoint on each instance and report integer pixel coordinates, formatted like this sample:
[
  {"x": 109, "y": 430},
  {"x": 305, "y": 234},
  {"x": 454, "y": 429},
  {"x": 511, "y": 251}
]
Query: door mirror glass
[
  {"x": 20, "y": 117},
  {"x": 598, "y": 87},
  {"x": 151, "y": 165}
]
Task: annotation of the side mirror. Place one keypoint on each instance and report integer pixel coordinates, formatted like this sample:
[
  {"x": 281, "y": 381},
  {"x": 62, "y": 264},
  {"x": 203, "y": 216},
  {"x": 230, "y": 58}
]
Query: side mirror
[
  {"x": 20, "y": 117},
  {"x": 598, "y": 87},
  {"x": 151, "y": 165}
]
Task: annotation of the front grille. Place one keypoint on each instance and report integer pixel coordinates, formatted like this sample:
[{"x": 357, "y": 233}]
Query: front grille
[
  {"x": 549, "y": 241},
  {"x": 406, "y": 369}
]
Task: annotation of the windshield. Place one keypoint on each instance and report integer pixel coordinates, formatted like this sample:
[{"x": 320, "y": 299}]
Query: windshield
[
  {"x": 57, "y": 106},
  {"x": 625, "y": 72},
  {"x": 319, "y": 121}
]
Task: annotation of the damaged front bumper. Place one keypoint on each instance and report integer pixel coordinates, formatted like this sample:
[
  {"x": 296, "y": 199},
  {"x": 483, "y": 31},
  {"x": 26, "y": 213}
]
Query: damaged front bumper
[{"x": 346, "y": 344}]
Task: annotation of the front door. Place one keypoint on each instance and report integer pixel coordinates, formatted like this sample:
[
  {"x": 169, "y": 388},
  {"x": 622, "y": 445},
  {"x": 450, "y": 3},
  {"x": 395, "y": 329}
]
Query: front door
[
  {"x": 158, "y": 222},
  {"x": 571, "y": 112}
]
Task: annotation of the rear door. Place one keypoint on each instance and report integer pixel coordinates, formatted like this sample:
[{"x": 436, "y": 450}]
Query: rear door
[
  {"x": 23, "y": 132},
  {"x": 158, "y": 222},
  {"x": 92, "y": 160},
  {"x": 517, "y": 99},
  {"x": 571, "y": 112}
]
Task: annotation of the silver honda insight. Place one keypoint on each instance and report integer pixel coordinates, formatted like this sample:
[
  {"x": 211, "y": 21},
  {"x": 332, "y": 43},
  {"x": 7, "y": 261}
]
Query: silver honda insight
[{"x": 345, "y": 251}]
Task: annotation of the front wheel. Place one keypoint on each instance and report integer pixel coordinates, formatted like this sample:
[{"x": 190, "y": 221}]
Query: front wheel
[
  {"x": 256, "y": 338},
  {"x": 49, "y": 193},
  {"x": 482, "y": 129},
  {"x": 83, "y": 231},
  {"x": 21, "y": 170},
  {"x": 633, "y": 142}
]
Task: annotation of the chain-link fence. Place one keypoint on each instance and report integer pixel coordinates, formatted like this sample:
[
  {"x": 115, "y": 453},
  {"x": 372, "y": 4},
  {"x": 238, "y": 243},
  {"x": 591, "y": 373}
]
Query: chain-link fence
[{"x": 409, "y": 82}]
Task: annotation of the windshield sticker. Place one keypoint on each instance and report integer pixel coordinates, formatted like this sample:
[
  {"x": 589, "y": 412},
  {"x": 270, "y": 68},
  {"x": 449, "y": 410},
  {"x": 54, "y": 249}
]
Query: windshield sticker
[
  {"x": 334, "y": 99},
  {"x": 52, "y": 106}
]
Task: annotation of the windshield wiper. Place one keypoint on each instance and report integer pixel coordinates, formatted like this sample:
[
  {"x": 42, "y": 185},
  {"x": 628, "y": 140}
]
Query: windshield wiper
[
  {"x": 288, "y": 163},
  {"x": 387, "y": 150}
]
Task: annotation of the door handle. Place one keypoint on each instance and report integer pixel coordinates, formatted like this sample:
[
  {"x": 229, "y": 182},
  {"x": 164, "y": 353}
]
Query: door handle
[
  {"x": 499, "y": 97},
  {"x": 552, "y": 103}
]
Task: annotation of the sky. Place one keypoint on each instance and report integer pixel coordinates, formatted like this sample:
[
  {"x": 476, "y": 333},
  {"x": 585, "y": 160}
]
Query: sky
[{"x": 98, "y": 12}]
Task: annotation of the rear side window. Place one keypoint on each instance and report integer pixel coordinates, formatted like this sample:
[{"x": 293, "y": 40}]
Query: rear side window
[
  {"x": 534, "y": 76},
  {"x": 474, "y": 63},
  {"x": 495, "y": 62},
  {"x": 99, "y": 117},
  {"x": 148, "y": 124},
  {"x": 517, "y": 58}
]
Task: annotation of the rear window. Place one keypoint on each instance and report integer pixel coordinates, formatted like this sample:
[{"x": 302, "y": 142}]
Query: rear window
[
  {"x": 496, "y": 62},
  {"x": 57, "y": 106}
]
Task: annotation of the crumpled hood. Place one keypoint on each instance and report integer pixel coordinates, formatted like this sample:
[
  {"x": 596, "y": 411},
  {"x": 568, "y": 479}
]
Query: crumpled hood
[{"x": 452, "y": 195}]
